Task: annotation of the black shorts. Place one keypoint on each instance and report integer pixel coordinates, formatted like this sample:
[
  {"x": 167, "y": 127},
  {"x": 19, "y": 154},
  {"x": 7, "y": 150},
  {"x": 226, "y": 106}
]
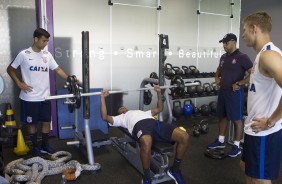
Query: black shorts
[
  {"x": 34, "y": 112},
  {"x": 262, "y": 155},
  {"x": 230, "y": 104},
  {"x": 159, "y": 131}
]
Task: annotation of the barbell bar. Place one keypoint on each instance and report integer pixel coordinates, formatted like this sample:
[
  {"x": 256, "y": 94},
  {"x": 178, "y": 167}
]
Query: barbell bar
[{"x": 114, "y": 92}]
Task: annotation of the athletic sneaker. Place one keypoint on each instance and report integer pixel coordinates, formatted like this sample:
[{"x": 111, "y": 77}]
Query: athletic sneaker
[
  {"x": 36, "y": 152},
  {"x": 146, "y": 181},
  {"x": 176, "y": 176},
  {"x": 235, "y": 150},
  {"x": 216, "y": 144},
  {"x": 47, "y": 149}
]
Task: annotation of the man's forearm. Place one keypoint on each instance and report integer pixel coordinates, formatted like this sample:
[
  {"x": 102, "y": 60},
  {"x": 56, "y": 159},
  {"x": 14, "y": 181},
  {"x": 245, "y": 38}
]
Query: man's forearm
[
  {"x": 160, "y": 101},
  {"x": 103, "y": 108}
]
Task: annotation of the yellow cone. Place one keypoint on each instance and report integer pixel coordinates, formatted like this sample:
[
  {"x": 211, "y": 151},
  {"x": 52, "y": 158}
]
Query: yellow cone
[
  {"x": 21, "y": 148},
  {"x": 10, "y": 120}
]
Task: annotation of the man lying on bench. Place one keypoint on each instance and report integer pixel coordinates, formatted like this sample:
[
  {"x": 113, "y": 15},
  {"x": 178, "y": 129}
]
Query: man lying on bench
[{"x": 146, "y": 129}]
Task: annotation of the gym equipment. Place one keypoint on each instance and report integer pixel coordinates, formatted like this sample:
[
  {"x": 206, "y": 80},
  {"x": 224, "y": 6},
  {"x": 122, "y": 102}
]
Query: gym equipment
[
  {"x": 187, "y": 71},
  {"x": 205, "y": 110},
  {"x": 161, "y": 152},
  {"x": 153, "y": 75},
  {"x": 213, "y": 106},
  {"x": 178, "y": 90},
  {"x": 188, "y": 108},
  {"x": 208, "y": 88},
  {"x": 73, "y": 88},
  {"x": 177, "y": 109},
  {"x": 147, "y": 97},
  {"x": 21, "y": 148},
  {"x": 168, "y": 71},
  {"x": 201, "y": 127},
  {"x": 194, "y": 70},
  {"x": 215, "y": 153},
  {"x": 191, "y": 90},
  {"x": 177, "y": 70},
  {"x": 199, "y": 88},
  {"x": 10, "y": 120},
  {"x": 196, "y": 129},
  {"x": 204, "y": 126},
  {"x": 177, "y": 83},
  {"x": 215, "y": 87},
  {"x": 196, "y": 111}
]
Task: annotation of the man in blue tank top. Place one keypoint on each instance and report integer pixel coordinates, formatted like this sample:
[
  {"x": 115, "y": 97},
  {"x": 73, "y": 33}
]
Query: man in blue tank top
[{"x": 230, "y": 76}]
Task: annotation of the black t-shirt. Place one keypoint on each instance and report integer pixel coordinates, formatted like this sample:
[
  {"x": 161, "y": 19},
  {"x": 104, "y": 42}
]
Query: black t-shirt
[{"x": 233, "y": 68}]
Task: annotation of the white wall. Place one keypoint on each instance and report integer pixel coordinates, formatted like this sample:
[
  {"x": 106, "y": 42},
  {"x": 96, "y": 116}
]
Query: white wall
[{"x": 136, "y": 28}]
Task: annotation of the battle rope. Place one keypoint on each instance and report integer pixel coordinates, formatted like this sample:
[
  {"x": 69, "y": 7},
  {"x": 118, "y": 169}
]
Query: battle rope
[{"x": 33, "y": 170}]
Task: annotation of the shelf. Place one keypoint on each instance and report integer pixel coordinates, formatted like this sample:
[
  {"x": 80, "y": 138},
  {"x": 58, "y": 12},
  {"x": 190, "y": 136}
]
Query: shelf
[
  {"x": 194, "y": 96},
  {"x": 200, "y": 75}
]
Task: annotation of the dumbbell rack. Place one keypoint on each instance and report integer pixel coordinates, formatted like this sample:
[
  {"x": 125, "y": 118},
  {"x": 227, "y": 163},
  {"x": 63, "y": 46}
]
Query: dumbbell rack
[{"x": 196, "y": 96}]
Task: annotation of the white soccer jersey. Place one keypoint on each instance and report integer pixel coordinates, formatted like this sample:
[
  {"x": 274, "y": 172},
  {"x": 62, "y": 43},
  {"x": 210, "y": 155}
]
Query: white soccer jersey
[
  {"x": 263, "y": 96},
  {"x": 130, "y": 118},
  {"x": 35, "y": 68}
]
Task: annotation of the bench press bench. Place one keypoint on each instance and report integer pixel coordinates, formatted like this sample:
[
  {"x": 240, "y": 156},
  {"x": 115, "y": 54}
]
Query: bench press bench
[{"x": 161, "y": 151}]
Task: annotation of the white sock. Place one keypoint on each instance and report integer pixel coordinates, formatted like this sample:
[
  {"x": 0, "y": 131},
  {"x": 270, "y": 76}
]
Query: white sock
[
  {"x": 221, "y": 138},
  {"x": 237, "y": 143}
]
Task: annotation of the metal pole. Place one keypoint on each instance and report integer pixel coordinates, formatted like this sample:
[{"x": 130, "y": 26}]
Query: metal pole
[
  {"x": 113, "y": 92},
  {"x": 86, "y": 99}
]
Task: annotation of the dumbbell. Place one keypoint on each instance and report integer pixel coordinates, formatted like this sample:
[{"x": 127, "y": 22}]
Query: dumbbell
[{"x": 201, "y": 127}]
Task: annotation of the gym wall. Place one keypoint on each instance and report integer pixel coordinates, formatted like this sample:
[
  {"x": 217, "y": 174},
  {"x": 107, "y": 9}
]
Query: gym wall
[
  {"x": 18, "y": 21},
  {"x": 129, "y": 30},
  {"x": 273, "y": 8}
]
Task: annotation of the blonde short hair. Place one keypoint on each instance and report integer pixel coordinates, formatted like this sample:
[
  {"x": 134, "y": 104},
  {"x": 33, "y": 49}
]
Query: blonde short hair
[{"x": 261, "y": 19}]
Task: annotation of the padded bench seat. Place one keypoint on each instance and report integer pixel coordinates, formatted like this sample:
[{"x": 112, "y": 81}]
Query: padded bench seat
[{"x": 159, "y": 147}]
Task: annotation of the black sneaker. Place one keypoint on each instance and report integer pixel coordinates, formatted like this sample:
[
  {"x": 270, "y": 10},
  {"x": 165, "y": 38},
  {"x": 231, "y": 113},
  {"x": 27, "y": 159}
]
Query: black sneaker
[
  {"x": 37, "y": 152},
  {"x": 47, "y": 149}
]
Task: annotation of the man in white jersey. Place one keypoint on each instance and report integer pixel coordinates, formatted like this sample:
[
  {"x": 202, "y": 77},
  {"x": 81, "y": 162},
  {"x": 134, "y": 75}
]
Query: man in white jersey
[
  {"x": 145, "y": 129},
  {"x": 35, "y": 64},
  {"x": 262, "y": 141}
]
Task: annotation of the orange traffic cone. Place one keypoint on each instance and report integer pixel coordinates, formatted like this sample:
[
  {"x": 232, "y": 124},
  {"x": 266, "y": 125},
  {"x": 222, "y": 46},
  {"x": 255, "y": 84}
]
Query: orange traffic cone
[
  {"x": 10, "y": 120},
  {"x": 21, "y": 148}
]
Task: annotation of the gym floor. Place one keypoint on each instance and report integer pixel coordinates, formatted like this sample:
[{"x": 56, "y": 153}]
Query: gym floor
[{"x": 196, "y": 168}]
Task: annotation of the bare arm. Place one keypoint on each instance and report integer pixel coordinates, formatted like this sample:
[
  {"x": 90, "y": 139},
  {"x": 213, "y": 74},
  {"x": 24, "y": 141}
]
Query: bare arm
[
  {"x": 61, "y": 73},
  {"x": 103, "y": 108},
  {"x": 159, "y": 107},
  {"x": 22, "y": 85},
  {"x": 270, "y": 66}
]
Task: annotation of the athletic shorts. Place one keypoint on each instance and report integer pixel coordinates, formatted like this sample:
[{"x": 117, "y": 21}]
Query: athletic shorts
[
  {"x": 159, "y": 131},
  {"x": 34, "y": 112},
  {"x": 262, "y": 155},
  {"x": 230, "y": 104}
]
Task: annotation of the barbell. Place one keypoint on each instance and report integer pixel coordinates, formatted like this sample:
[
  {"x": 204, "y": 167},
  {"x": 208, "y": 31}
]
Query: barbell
[{"x": 74, "y": 96}]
